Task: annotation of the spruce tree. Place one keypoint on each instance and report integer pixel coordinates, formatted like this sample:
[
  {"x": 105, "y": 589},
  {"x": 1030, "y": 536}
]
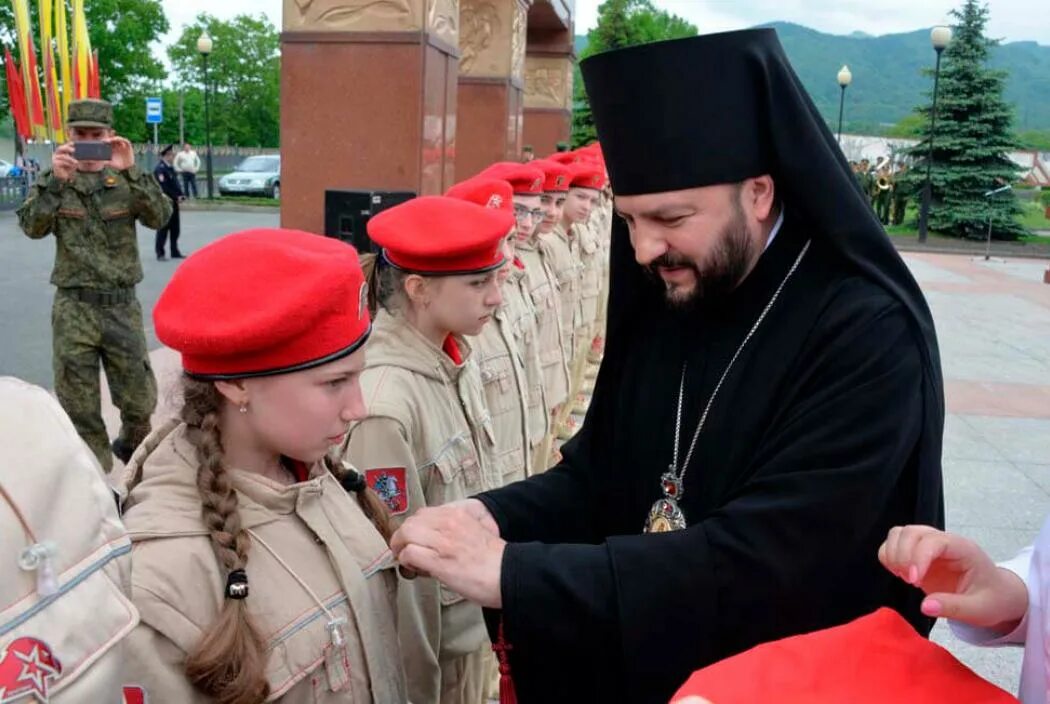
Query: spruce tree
[{"x": 972, "y": 137}]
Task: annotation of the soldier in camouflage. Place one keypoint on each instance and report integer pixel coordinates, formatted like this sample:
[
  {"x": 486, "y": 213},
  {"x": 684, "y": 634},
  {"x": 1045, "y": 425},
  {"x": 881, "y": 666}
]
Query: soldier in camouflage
[{"x": 91, "y": 209}]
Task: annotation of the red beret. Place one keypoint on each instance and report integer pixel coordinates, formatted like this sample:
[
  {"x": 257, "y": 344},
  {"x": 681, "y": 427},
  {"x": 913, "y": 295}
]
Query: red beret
[
  {"x": 441, "y": 236},
  {"x": 263, "y": 302},
  {"x": 556, "y": 176},
  {"x": 486, "y": 192},
  {"x": 565, "y": 158},
  {"x": 592, "y": 156},
  {"x": 875, "y": 659},
  {"x": 593, "y": 149},
  {"x": 587, "y": 175},
  {"x": 525, "y": 179}
]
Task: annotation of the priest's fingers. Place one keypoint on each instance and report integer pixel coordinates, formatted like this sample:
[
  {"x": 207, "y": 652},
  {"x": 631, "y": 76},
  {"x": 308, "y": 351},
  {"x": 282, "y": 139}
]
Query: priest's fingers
[
  {"x": 419, "y": 559},
  {"x": 419, "y": 533},
  {"x": 479, "y": 512}
]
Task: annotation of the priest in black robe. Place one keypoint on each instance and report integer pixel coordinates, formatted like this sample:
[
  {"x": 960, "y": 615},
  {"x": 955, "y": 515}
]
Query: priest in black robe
[{"x": 770, "y": 402}]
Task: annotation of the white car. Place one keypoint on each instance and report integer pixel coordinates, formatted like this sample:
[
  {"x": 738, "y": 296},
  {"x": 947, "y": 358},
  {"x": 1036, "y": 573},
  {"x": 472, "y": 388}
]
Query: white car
[{"x": 256, "y": 175}]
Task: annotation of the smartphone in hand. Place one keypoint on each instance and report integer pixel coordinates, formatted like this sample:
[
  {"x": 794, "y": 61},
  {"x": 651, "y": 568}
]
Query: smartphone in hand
[{"x": 92, "y": 151}]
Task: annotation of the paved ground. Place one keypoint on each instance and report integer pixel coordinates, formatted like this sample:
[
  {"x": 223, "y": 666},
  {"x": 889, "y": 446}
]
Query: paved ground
[
  {"x": 993, "y": 319},
  {"x": 993, "y": 322},
  {"x": 26, "y": 295}
]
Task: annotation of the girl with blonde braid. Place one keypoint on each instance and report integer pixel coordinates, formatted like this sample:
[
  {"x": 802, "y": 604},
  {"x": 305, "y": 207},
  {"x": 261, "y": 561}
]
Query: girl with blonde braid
[{"x": 260, "y": 565}]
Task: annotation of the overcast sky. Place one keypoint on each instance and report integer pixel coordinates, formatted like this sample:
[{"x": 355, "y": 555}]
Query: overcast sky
[{"x": 1011, "y": 20}]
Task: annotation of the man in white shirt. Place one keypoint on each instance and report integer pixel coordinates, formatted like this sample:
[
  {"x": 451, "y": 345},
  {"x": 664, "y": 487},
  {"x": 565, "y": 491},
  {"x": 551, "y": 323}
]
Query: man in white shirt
[{"x": 188, "y": 164}]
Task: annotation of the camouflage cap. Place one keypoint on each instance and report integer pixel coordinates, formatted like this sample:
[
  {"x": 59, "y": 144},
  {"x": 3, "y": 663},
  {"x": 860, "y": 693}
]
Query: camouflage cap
[{"x": 90, "y": 113}]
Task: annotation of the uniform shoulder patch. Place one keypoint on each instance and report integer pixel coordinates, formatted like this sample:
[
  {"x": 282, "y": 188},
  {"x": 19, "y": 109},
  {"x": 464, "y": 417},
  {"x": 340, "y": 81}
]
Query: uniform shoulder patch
[
  {"x": 27, "y": 668},
  {"x": 389, "y": 484},
  {"x": 134, "y": 694}
]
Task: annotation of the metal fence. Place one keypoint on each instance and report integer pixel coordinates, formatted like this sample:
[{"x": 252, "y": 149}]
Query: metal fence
[
  {"x": 13, "y": 191},
  {"x": 224, "y": 160}
]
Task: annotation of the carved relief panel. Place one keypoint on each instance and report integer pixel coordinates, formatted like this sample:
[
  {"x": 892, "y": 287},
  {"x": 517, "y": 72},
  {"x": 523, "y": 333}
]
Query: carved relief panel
[
  {"x": 353, "y": 15},
  {"x": 492, "y": 38},
  {"x": 443, "y": 20},
  {"x": 548, "y": 82}
]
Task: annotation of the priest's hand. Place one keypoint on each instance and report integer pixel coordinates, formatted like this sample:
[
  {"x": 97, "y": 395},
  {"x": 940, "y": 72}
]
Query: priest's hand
[
  {"x": 458, "y": 545},
  {"x": 959, "y": 579}
]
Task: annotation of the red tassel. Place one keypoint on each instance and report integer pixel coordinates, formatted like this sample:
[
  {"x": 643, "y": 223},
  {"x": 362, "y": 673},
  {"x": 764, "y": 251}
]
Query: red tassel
[{"x": 501, "y": 647}]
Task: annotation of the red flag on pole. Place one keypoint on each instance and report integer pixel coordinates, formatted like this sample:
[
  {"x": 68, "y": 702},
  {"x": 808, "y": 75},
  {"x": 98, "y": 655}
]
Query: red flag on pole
[
  {"x": 16, "y": 95},
  {"x": 75, "y": 95},
  {"x": 94, "y": 84},
  {"x": 52, "y": 94},
  {"x": 36, "y": 109}
]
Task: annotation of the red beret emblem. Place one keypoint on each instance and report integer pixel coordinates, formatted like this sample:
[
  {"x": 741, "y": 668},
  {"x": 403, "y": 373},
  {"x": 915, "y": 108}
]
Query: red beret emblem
[
  {"x": 559, "y": 181},
  {"x": 495, "y": 201}
]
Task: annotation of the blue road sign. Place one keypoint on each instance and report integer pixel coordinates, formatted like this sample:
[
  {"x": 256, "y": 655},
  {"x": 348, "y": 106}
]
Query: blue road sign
[{"x": 154, "y": 111}]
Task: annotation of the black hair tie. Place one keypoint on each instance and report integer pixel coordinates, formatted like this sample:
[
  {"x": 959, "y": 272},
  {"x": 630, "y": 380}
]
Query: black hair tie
[
  {"x": 354, "y": 482},
  {"x": 237, "y": 585}
]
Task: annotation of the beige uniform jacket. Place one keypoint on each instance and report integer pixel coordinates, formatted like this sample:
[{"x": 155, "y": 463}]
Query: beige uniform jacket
[
  {"x": 591, "y": 254},
  {"x": 62, "y": 640},
  {"x": 543, "y": 288},
  {"x": 604, "y": 231},
  {"x": 315, "y": 559},
  {"x": 501, "y": 359},
  {"x": 428, "y": 440},
  {"x": 526, "y": 332},
  {"x": 557, "y": 248}
]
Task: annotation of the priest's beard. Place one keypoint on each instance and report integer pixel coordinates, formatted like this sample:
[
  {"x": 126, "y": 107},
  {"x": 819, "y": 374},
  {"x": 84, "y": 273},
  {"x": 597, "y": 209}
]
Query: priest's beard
[{"x": 726, "y": 266}]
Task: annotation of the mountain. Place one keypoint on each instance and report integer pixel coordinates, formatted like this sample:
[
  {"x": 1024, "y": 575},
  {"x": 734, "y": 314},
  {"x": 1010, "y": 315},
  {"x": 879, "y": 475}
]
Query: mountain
[{"x": 888, "y": 79}]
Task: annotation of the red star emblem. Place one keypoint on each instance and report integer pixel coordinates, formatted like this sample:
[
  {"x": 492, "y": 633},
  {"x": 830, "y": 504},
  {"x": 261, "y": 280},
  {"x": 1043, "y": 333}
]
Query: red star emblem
[{"x": 27, "y": 667}]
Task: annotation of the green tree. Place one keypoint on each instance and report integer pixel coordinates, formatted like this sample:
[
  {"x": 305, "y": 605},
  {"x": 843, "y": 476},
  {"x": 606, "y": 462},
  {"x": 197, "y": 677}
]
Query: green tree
[
  {"x": 621, "y": 23},
  {"x": 244, "y": 71},
  {"x": 909, "y": 127},
  {"x": 973, "y": 136},
  {"x": 122, "y": 32},
  {"x": 133, "y": 113},
  {"x": 1035, "y": 139}
]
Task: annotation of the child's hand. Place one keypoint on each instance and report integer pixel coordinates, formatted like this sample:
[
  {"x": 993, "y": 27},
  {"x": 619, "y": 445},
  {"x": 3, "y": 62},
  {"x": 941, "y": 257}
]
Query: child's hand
[{"x": 960, "y": 581}]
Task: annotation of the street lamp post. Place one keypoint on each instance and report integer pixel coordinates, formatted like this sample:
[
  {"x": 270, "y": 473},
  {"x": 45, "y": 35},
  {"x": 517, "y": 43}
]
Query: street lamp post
[
  {"x": 845, "y": 78},
  {"x": 204, "y": 46},
  {"x": 939, "y": 37}
]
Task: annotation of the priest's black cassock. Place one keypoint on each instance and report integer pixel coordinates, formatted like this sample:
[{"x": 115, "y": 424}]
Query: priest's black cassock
[{"x": 826, "y": 433}]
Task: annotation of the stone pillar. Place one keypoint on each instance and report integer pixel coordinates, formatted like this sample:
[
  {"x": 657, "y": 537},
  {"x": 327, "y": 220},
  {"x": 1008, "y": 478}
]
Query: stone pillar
[
  {"x": 549, "y": 62},
  {"x": 368, "y": 100},
  {"x": 491, "y": 83}
]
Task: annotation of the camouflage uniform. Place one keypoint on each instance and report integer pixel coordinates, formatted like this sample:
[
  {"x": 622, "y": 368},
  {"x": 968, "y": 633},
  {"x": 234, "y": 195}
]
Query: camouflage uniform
[
  {"x": 96, "y": 316},
  {"x": 881, "y": 201}
]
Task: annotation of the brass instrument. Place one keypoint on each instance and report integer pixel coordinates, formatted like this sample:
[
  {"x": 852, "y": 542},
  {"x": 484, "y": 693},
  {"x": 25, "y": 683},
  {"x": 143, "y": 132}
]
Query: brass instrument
[{"x": 883, "y": 174}]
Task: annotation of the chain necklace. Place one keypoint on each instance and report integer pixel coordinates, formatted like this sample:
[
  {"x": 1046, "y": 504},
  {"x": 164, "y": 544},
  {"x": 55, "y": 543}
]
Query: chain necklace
[{"x": 666, "y": 515}]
